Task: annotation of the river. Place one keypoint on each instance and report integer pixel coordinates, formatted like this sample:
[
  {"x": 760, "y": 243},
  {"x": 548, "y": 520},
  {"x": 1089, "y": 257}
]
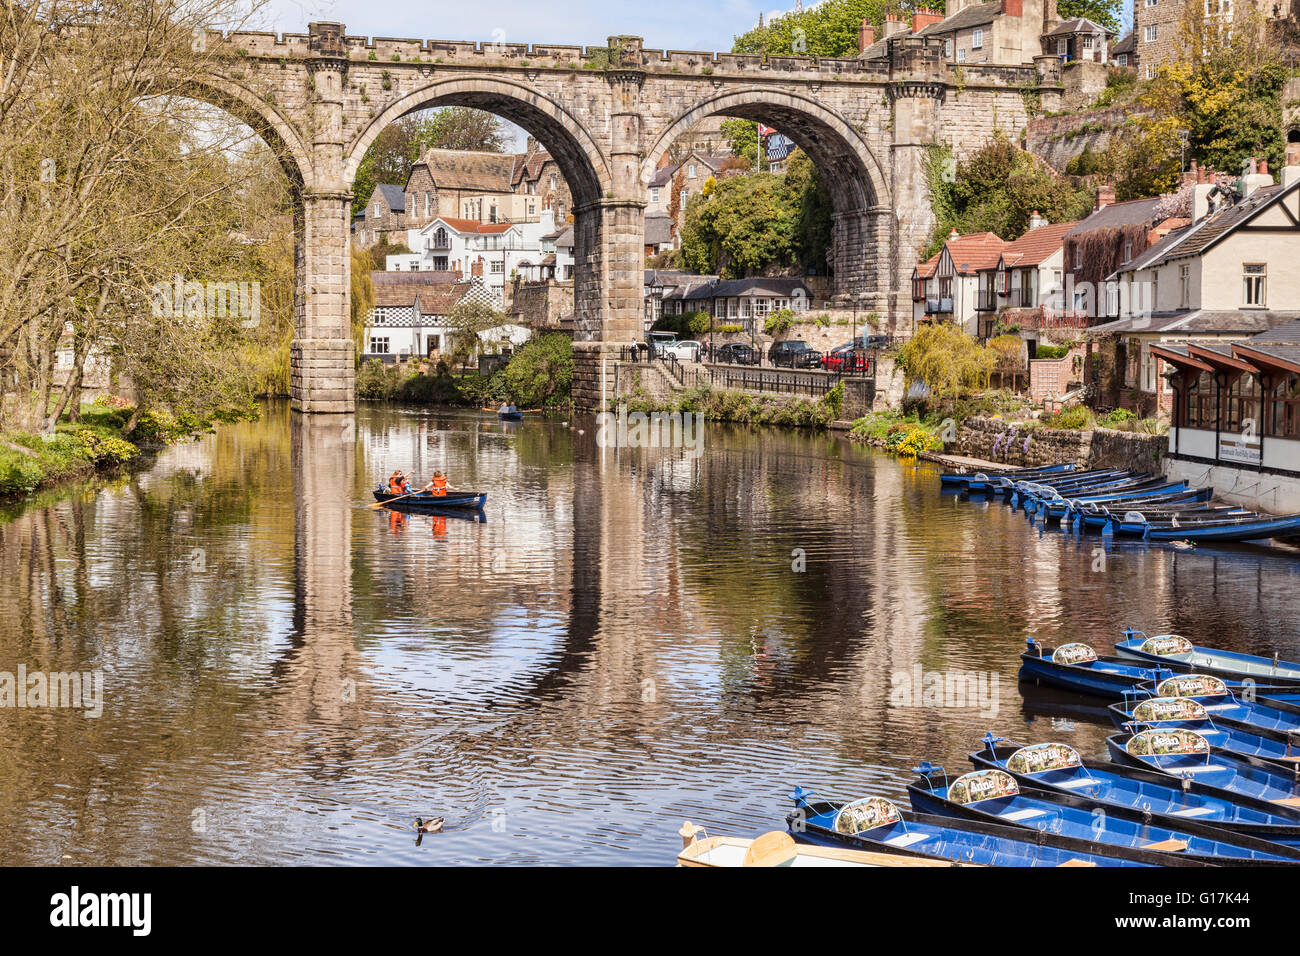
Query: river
[{"x": 631, "y": 639}]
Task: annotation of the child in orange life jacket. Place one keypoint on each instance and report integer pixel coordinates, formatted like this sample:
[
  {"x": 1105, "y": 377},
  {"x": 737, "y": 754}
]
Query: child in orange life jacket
[{"x": 437, "y": 485}]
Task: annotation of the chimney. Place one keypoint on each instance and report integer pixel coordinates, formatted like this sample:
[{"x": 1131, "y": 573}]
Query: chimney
[
  {"x": 892, "y": 25},
  {"x": 954, "y": 234},
  {"x": 1035, "y": 220},
  {"x": 1263, "y": 166},
  {"x": 1105, "y": 196},
  {"x": 866, "y": 36},
  {"x": 923, "y": 17},
  {"x": 1013, "y": 8}
]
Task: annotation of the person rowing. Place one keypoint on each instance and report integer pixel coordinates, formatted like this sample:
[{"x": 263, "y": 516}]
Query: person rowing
[
  {"x": 397, "y": 483},
  {"x": 437, "y": 486}
]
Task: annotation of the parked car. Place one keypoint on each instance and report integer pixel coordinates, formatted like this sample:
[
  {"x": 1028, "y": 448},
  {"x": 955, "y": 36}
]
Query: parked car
[
  {"x": 873, "y": 341},
  {"x": 656, "y": 342},
  {"x": 793, "y": 353},
  {"x": 687, "y": 350},
  {"x": 848, "y": 357},
  {"x": 738, "y": 353}
]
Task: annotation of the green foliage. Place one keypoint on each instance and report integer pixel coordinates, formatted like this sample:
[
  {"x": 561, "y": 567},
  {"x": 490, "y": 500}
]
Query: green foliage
[
  {"x": 765, "y": 219},
  {"x": 778, "y": 322},
  {"x": 377, "y": 381},
  {"x": 541, "y": 372},
  {"x": 907, "y": 436},
  {"x": 742, "y": 135},
  {"x": 1072, "y": 417},
  {"x": 1105, "y": 12},
  {"x": 996, "y": 190},
  {"x": 948, "y": 360},
  {"x": 827, "y": 29},
  {"x": 1052, "y": 351},
  {"x": 686, "y": 325},
  {"x": 727, "y": 406}
]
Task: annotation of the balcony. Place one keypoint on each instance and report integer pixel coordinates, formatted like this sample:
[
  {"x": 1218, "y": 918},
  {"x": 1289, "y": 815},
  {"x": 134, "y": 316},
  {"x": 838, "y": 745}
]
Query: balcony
[
  {"x": 986, "y": 301},
  {"x": 438, "y": 245},
  {"x": 938, "y": 306}
]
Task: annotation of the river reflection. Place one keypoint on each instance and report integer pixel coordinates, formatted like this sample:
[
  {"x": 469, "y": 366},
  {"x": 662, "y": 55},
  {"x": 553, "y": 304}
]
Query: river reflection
[{"x": 626, "y": 641}]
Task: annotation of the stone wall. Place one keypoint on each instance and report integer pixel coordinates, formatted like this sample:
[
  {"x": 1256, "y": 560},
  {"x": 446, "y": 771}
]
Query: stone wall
[
  {"x": 1099, "y": 448},
  {"x": 541, "y": 304},
  {"x": 1058, "y": 139}
]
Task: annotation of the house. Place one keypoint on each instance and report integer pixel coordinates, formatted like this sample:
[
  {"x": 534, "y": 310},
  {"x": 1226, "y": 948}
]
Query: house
[
  {"x": 492, "y": 251},
  {"x": 411, "y": 319},
  {"x": 687, "y": 177},
  {"x": 1005, "y": 32},
  {"x": 1225, "y": 277},
  {"x": 659, "y": 282},
  {"x": 1079, "y": 39},
  {"x": 658, "y": 234},
  {"x": 1235, "y": 420},
  {"x": 537, "y": 175},
  {"x": 955, "y": 285},
  {"x": 384, "y": 218},
  {"x": 1124, "y": 51},
  {"x": 1027, "y": 286},
  {"x": 744, "y": 302},
  {"x": 554, "y": 261},
  {"x": 1157, "y": 24}
]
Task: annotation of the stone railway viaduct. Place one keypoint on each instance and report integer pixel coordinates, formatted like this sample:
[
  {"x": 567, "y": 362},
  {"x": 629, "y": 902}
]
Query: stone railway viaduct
[{"x": 608, "y": 115}]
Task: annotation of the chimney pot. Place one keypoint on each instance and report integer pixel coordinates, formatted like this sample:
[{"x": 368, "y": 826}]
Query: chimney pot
[
  {"x": 1263, "y": 166},
  {"x": 1105, "y": 196}
]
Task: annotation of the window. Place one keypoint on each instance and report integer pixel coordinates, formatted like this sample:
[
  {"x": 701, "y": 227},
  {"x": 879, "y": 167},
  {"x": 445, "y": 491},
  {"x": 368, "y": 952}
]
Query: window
[
  {"x": 1151, "y": 3},
  {"x": 947, "y": 49},
  {"x": 1254, "y": 276},
  {"x": 1286, "y": 408},
  {"x": 1122, "y": 59},
  {"x": 1089, "y": 42},
  {"x": 432, "y": 344},
  {"x": 654, "y": 194},
  {"x": 1184, "y": 287},
  {"x": 1151, "y": 72},
  {"x": 379, "y": 344},
  {"x": 1063, "y": 47},
  {"x": 440, "y": 263},
  {"x": 498, "y": 266},
  {"x": 1242, "y": 402},
  {"x": 961, "y": 55},
  {"x": 1027, "y": 288},
  {"x": 691, "y": 171},
  {"x": 977, "y": 40},
  {"x": 1128, "y": 251},
  {"x": 1200, "y": 402},
  {"x": 1148, "y": 370},
  {"x": 1150, "y": 33},
  {"x": 1078, "y": 257}
]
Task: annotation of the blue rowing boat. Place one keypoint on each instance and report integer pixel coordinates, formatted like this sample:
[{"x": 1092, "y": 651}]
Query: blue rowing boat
[
  {"x": 1163, "y": 713},
  {"x": 993, "y": 796},
  {"x": 873, "y": 823},
  {"x": 981, "y": 480},
  {"x": 1180, "y": 654},
  {"x": 1056, "y": 770},
  {"x": 1267, "y": 717},
  {"x": 1077, "y": 667},
  {"x": 1227, "y": 530},
  {"x": 1186, "y": 754},
  {"x": 452, "y": 500}
]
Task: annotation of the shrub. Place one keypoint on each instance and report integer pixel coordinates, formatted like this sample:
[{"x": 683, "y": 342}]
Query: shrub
[
  {"x": 377, "y": 381},
  {"x": 1116, "y": 418},
  {"x": 946, "y": 359},
  {"x": 778, "y": 322},
  {"x": 104, "y": 449},
  {"x": 1073, "y": 417},
  {"x": 541, "y": 373}
]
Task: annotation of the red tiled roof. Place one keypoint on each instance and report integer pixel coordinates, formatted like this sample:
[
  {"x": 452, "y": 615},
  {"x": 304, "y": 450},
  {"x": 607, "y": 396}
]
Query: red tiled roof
[
  {"x": 974, "y": 252},
  {"x": 441, "y": 300},
  {"x": 1036, "y": 245},
  {"x": 474, "y": 226}
]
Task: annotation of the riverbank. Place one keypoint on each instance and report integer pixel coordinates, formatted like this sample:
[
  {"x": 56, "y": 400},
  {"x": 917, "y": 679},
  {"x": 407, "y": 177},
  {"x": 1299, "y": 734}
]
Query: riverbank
[
  {"x": 94, "y": 444},
  {"x": 743, "y": 408}
]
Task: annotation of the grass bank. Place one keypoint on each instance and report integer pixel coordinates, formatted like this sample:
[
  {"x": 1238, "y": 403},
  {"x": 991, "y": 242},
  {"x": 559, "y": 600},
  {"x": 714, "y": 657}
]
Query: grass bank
[
  {"x": 93, "y": 444},
  {"x": 722, "y": 405}
]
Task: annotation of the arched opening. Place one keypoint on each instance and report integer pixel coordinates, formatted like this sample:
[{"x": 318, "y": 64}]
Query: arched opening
[
  {"x": 576, "y": 161},
  {"x": 859, "y": 256}
]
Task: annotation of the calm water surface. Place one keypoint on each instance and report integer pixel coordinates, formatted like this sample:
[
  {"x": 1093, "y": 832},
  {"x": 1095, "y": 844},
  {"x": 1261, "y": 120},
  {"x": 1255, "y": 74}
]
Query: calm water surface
[{"x": 291, "y": 676}]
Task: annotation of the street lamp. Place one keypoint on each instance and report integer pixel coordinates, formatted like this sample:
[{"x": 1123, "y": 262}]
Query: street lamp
[{"x": 1183, "y": 136}]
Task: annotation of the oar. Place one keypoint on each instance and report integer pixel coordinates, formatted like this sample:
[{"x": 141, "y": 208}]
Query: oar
[{"x": 380, "y": 504}]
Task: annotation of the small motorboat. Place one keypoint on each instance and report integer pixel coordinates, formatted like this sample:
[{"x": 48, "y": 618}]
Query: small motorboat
[
  {"x": 1163, "y": 713},
  {"x": 875, "y": 823},
  {"x": 1056, "y": 770},
  {"x": 778, "y": 848},
  {"x": 1178, "y": 653},
  {"x": 1185, "y": 754},
  {"x": 993, "y": 796},
  {"x": 420, "y": 501},
  {"x": 1076, "y": 666}
]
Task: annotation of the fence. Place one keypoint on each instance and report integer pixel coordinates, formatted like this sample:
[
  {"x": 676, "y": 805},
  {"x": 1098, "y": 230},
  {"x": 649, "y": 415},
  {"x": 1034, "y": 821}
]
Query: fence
[{"x": 755, "y": 378}]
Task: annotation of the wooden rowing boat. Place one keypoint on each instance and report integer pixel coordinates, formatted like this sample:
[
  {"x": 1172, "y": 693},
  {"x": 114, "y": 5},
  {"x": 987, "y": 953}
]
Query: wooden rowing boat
[{"x": 777, "y": 848}]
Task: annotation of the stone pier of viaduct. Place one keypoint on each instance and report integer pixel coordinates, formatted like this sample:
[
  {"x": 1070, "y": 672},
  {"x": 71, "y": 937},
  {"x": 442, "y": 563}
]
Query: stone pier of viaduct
[{"x": 608, "y": 114}]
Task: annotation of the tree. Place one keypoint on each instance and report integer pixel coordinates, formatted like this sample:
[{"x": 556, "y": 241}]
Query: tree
[
  {"x": 827, "y": 29},
  {"x": 1105, "y": 12},
  {"x": 742, "y": 135},
  {"x": 468, "y": 318},
  {"x": 949, "y": 361},
  {"x": 996, "y": 189},
  {"x": 541, "y": 371}
]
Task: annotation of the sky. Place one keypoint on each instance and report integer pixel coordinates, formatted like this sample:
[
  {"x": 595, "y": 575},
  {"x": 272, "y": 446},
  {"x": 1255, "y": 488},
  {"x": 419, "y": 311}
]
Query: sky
[{"x": 664, "y": 24}]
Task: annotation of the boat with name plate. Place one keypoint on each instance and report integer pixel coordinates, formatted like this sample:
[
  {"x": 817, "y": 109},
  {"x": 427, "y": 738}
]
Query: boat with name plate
[
  {"x": 980, "y": 480},
  {"x": 778, "y": 848},
  {"x": 1164, "y": 713},
  {"x": 874, "y": 823},
  {"x": 1180, "y": 654},
  {"x": 993, "y": 796},
  {"x": 1056, "y": 770},
  {"x": 1266, "y": 716},
  {"x": 1185, "y": 754},
  {"x": 1076, "y": 666}
]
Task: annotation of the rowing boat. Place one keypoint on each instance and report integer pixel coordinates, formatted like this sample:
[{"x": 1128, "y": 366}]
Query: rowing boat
[
  {"x": 1277, "y": 719},
  {"x": 1171, "y": 650},
  {"x": 875, "y": 823},
  {"x": 1076, "y": 666},
  {"x": 426, "y": 502},
  {"x": 778, "y": 848},
  {"x": 1057, "y": 770},
  {"x": 992, "y": 795},
  {"x": 1186, "y": 754},
  {"x": 1164, "y": 713},
  {"x": 1246, "y": 528},
  {"x": 985, "y": 478}
]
